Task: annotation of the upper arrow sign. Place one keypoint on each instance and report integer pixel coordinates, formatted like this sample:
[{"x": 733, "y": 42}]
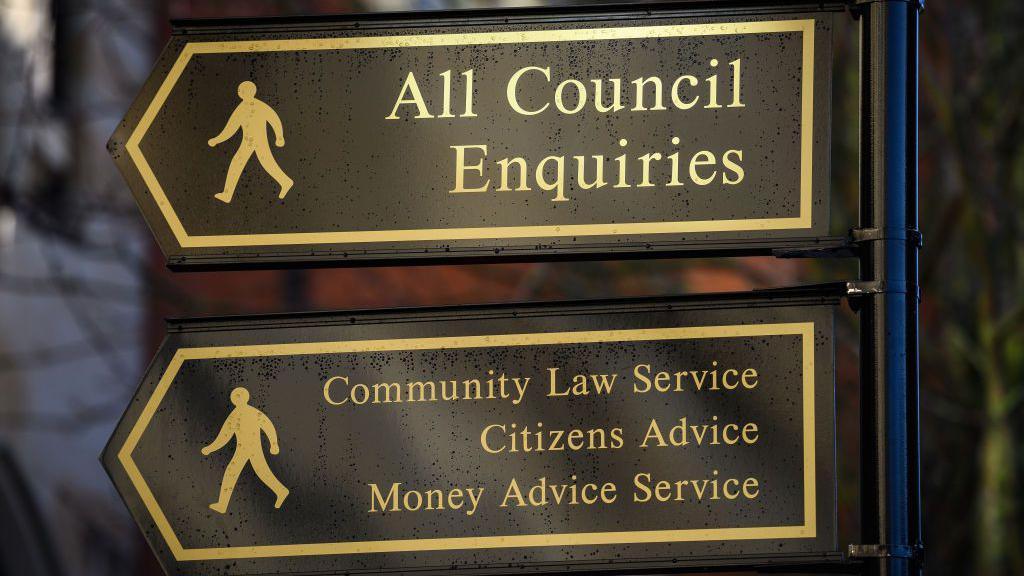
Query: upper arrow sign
[{"x": 527, "y": 135}]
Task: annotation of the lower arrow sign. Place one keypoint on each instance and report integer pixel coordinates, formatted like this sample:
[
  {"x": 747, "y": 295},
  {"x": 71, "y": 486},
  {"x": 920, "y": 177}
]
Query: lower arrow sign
[{"x": 624, "y": 435}]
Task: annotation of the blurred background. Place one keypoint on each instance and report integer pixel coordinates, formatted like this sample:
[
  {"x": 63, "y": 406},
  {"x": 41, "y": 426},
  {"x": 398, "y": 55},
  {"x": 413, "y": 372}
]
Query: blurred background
[{"x": 83, "y": 290}]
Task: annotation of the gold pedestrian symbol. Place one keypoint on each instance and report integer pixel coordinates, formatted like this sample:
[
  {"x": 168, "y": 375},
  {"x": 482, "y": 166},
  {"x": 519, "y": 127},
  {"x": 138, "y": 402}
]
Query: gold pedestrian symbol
[
  {"x": 252, "y": 116},
  {"x": 246, "y": 424}
]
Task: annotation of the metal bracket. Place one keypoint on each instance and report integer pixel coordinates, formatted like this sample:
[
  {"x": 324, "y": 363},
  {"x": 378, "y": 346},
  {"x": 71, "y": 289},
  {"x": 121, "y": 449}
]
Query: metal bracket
[
  {"x": 855, "y": 239},
  {"x": 855, "y": 7},
  {"x": 846, "y": 250},
  {"x": 860, "y": 288},
  {"x": 866, "y": 287},
  {"x": 918, "y": 4},
  {"x": 870, "y": 551},
  {"x": 860, "y": 236}
]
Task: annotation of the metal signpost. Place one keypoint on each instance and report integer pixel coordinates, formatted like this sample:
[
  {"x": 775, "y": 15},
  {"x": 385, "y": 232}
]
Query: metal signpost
[
  {"x": 890, "y": 240},
  {"x": 626, "y": 436}
]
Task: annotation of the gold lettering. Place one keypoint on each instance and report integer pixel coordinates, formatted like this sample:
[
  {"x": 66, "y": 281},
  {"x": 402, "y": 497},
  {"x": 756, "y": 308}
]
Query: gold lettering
[
  {"x": 327, "y": 390},
  {"x": 732, "y": 166},
  {"x": 513, "y": 83},
  {"x": 640, "y": 83},
  {"x": 483, "y": 439},
  {"x": 735, "y": 85},
  {"x": 676, "y": 100},
  {"x": 581, "y": 96},
  {"x": 461, "y": 168},
  {"x": 559, "y": 184},
  {"x": 413, "y": 88},
  {"x": 522, "y": 186},
  {"x": 749, "y": 373},
  {"x": 581, "y": 179},
  {"x": 713, "y": 88},
  {"x": 513, "y": 491},
  {"x": 616, "y": 96},
  {"x": 702, "y": 158},
  {"x": 376, "y": 497},
  {"x": 468, "y": 113},
  {"x": 645, "y": 179},
  {"x": 446, "y": 101},
  {"x": 653, "y": 433}
]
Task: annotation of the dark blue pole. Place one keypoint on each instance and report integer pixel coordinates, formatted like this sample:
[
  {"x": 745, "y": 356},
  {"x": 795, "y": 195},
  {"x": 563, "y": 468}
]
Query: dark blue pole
[{"x": 889, "y": 332}]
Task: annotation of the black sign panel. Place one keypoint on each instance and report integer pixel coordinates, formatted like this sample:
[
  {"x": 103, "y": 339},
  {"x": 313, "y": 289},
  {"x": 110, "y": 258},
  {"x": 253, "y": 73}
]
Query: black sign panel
[
  {"x": 620, "y": 436},
  {"x": 522, "y": 135}
]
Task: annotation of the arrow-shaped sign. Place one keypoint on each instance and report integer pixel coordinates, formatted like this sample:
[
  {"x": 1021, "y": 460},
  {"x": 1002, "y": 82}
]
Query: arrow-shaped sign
[
  {"x": 525, "y": 135},
  {"x": 619, "y": 435}
]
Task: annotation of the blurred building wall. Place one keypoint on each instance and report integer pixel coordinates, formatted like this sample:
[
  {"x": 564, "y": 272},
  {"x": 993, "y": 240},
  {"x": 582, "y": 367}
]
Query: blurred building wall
[{"x": 71, "y": 245}]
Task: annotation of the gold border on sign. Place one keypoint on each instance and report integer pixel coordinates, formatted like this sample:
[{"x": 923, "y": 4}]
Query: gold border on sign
[
  {"x": 186, "y": 240},
  {"x": 808, "y": 529}
]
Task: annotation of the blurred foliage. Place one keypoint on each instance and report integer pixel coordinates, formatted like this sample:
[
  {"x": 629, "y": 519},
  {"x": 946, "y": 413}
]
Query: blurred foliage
[{"x": 972, "y": 189}]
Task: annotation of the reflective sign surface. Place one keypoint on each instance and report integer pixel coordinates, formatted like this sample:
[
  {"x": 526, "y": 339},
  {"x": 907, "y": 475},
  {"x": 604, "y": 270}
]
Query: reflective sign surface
[
  {"x": 480, "y": 137},
  {"x": 626, "y": 434}
]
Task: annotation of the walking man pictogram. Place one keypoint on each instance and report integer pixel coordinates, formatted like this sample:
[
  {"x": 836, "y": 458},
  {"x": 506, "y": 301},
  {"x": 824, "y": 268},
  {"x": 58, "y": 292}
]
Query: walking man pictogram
[
  {"x": 252, "y": 116},
  {"x": 246, "y": 425}
]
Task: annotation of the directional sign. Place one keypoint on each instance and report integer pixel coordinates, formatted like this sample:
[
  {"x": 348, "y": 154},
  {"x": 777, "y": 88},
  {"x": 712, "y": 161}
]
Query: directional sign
[
  {"x": 624, "y": 435},
  {"x": 519, "y": 134}
]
